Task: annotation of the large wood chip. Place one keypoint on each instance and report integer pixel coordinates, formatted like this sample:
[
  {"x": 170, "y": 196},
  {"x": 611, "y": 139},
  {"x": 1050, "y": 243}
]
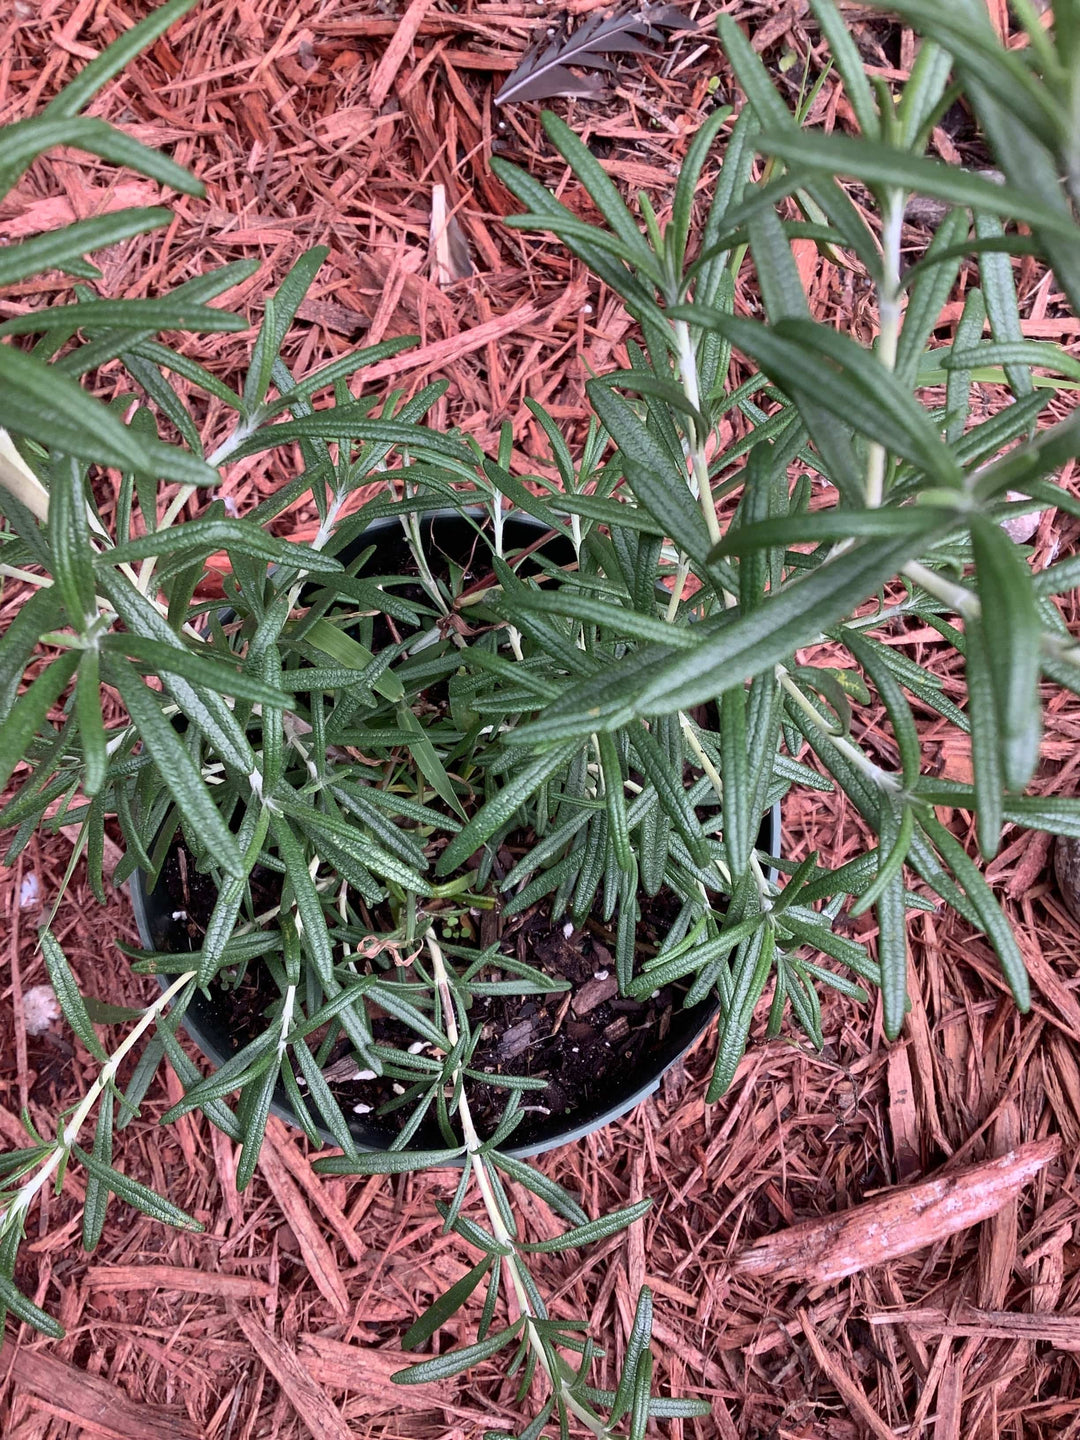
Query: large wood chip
[
  {"x": 594, "y": 993},
  {"x": 94, "y": 1405},
  {"x": 950, "y": 1397},
  {"x": 314, "y": 1187},
  {"x": 365, "y": 1373},
  {"x": 388, "y": 67},
  {"x": 1060, "y": 1331},
  {"x": 999, "y": 1240},
  {"x": 316, "y": 1412},
  {"x": 24, "y": 216},
  {"x": 820, "y": 1252},
  {"x": 445, "y": 352},
  {"x": 176, "y": 1277},
  {"x": 317, "y": 1254}
]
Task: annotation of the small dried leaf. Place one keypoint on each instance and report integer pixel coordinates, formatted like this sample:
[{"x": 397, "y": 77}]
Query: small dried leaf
[{"x": 543, "y": 72}]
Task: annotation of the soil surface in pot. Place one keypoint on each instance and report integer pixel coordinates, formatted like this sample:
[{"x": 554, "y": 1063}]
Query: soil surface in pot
[{"x": 580, "y": 1040}]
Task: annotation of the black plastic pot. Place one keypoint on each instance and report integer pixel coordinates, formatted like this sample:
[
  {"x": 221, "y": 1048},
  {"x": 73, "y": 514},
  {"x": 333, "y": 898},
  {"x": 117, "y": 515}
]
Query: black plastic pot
[{"x": 207, "y": 1018}]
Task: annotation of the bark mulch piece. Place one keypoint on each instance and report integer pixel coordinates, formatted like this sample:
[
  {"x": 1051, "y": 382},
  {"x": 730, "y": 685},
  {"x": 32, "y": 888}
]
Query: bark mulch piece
[{"x": 336, "y": 123}]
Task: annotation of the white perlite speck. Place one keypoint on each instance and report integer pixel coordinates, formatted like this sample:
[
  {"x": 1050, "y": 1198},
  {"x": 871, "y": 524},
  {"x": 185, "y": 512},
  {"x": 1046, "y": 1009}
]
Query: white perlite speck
[{"x": 40, "y": 1009}]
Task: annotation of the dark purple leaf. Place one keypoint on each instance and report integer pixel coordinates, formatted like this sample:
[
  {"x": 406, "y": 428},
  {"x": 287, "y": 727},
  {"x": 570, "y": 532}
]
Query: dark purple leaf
[{"x": 543, "y": 72}]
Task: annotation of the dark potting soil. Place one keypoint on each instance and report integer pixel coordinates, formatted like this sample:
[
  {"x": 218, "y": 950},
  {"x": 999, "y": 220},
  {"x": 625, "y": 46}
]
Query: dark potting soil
[{"x": 578, "y": 1040}]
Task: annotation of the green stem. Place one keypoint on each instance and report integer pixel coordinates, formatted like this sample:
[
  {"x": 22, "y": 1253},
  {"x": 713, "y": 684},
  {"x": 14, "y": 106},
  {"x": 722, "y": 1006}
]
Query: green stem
[
  {"x": 963, "y": 601},
  {"x": 688, "y": 375},
  {"x": 882, "y": 778},
  {"x": 494, "y": 1214},
  {"x": 889, "y": 296}
]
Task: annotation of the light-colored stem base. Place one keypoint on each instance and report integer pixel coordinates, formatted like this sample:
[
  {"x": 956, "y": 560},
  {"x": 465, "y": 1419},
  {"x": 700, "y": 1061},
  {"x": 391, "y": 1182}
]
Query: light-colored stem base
[{"x": 494, "y": 1214}]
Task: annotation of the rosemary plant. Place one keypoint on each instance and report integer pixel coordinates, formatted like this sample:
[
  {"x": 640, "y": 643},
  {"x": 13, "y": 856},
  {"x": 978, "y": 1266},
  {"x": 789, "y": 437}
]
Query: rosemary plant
[{"x": 359, "y": 766}]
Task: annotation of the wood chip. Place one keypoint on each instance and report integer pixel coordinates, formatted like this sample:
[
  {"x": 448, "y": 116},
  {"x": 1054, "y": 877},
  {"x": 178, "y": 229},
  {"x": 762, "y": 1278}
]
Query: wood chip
[
  {"x": 95, "y": 1404},
  {"x": 849, "y": 1389},
  {"x": 314, "y": 1187},
  {"x": 12, "y": 1131},
  {"x": 1067, "y": 871},
  {"x": 175, "y": 1277},
  {"x": 903, "y": 1114},
  {"x": 365, "y": 1373},
  {"x": 516, "y": 1040},
  {"x": 617, "y": 1030},
  {"x": 950, "y": 1396},
  {"x": 445, "y": 352},
  {"x": 1060, "y": 1331},
  {"x": 318, "y": 1414},
  {"x": 822, "y": 1251},
  {"x": 1062, "y": 1005},
  {"x": 390, "y": 64},
  {"x": 997, "y": 1258},
  {"x": 594, "y": 993},
  {"x": 317, "y": 1254}
]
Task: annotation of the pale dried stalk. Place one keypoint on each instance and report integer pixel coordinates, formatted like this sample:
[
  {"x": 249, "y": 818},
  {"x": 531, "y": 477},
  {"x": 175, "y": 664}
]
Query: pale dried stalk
[{"x": 1060, "y": 1331}]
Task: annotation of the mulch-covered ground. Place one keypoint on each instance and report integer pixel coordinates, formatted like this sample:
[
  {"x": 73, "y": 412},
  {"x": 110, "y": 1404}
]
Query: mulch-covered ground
[{"x": 328, "y": 122}]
